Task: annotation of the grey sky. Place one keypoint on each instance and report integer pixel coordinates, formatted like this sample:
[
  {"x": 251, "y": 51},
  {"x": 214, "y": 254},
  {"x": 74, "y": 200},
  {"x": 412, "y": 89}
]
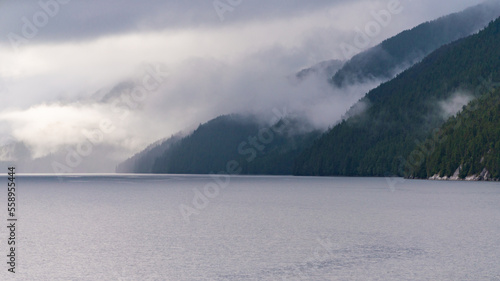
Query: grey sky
[
  {"x": 59, "y": 58},
  {"x": 86, "y": 20},
  {"x": 93, "y": 18}
]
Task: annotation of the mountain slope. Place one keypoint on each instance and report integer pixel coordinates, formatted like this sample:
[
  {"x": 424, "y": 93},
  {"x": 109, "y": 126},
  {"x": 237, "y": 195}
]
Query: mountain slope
[
  {"x": 194, "y": 155},
  {"x": 233, "y": 139},
  {"x": 404, "y": 110},
  {"x": 403, "y": 50},
  {"x": 469, "y": 145},
  {"x": 325, "y": 69},
  {"x": 223, "y": 141},
  {"x": 143, "y": 161}
]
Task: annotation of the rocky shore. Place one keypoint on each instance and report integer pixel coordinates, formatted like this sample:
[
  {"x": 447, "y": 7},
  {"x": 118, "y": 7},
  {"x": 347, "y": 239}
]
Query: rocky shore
[{"x": 483, "y": 176}]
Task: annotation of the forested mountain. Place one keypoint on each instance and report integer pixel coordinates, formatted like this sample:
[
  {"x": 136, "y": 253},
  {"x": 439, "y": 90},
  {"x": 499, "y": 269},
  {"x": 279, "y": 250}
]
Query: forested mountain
[
  {"x": 143, "y": 161},
  {"x": 256, "y": 148},
  {"x": 399, "y": 114},
  {"x": 325, "y": 69},
  {"x": 405, "y": 49},
  {"x": 468, "y": 145},
  {"x": 405, "y": 110}
]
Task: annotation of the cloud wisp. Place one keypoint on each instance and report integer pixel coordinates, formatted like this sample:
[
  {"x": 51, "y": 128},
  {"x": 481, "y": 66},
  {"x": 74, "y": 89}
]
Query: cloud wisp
[{"x": 53, "y": 83}]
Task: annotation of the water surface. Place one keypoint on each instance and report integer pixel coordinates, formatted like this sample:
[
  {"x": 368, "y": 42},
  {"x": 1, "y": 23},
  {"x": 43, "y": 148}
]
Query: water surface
[{"x": 130, "y": 227}]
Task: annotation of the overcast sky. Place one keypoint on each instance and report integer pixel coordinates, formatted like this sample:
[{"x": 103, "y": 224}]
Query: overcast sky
[{"x": 61, "y": 58}]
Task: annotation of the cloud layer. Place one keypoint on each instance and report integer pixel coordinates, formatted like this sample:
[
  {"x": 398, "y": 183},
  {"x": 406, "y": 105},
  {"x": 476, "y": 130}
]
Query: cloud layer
[{"x": 220, "y": 59}]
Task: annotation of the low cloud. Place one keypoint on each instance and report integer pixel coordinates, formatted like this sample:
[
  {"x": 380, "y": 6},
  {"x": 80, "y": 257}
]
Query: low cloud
[
  {"x": 51, "y": 85},
  {"x": 48, "y": 128},
  {"x": 196, "y": 91},
  {"x": 254, "y": 85},
  {"x": 453, "y": 105}
]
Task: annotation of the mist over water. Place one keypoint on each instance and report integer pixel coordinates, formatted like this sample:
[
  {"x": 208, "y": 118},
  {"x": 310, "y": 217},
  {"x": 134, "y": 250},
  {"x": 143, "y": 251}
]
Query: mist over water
[{"x": 129, "y": 227}]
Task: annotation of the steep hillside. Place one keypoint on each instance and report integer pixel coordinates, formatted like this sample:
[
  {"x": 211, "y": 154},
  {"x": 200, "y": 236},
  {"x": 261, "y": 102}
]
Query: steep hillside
[
  {"x": 398, "y": 112},
  {"x": 223, "y": 141},
  {"x": 404, "y": 110},
  {"x": 143, "y": 161},
  {"x": 325, "y": 69},
  {"x": 405, "y": 49},
  {"x": 233, "y": 139},
  {"x": 468, "y": 146}
]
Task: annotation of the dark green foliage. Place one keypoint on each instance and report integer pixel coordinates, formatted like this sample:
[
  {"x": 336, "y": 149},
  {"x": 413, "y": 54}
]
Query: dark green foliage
[
  {"x": 327, "y": 68},
  {"x": 143, "y": 161},
  {"x": 227, "y": 138},
  {"x": 408, "y": 47},
  {"x": 376, "y": 143},
  {"x": 404, "y": 110},
  {"x": 471, "y": 140}
]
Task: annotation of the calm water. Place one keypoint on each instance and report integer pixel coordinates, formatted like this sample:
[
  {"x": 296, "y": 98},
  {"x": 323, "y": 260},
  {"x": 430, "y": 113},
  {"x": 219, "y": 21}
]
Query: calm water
[{"x": 253, "y": 228}]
